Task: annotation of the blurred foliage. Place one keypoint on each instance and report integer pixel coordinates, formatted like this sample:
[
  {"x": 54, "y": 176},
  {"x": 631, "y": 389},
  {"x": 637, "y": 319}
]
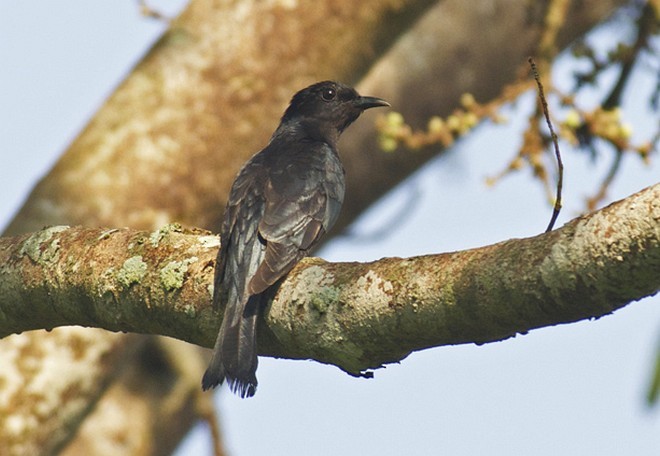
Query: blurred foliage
[
  {"x": 653, "y": 393},
  {"x": 585, "y": 129}
]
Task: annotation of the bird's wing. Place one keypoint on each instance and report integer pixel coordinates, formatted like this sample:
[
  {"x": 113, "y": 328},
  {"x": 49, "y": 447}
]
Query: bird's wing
[
  {"x": 303, "y": 199},
  {"x": 241, "y": 250},
  {"x": 241, "y": 253}
]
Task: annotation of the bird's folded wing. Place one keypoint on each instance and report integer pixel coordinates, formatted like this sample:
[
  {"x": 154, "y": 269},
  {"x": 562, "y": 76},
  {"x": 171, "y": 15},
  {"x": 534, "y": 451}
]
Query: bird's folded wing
[{"x": 301, "y": 205}]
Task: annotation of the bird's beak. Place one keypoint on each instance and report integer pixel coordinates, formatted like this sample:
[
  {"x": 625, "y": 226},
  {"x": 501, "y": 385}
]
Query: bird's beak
[{"x": 370, "y": 102}]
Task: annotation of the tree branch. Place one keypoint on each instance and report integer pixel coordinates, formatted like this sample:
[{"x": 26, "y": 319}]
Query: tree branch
[{"x": 357, "y": 316}]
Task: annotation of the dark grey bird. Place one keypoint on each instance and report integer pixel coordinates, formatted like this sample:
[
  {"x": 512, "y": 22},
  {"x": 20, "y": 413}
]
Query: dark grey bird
[{"x": 284, "y": 199}]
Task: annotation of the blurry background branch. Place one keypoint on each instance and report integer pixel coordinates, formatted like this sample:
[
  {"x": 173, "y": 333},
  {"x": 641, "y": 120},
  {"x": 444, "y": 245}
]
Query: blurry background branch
[{"x": 580, "y": 127}]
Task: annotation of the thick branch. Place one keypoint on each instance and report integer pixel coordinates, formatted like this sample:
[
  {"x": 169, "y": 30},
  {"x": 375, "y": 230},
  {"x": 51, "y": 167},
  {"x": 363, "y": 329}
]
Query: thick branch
[
  {"x": 121, "y": 280},
  {"x": 357, "y": 316}
]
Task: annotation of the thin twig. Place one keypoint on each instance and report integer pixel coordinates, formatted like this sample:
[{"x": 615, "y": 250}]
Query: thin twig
[
  {"x": 560, "y": 165},
  {"x": 148, "y": 11},
  {"x": 602, "y": 191},
  {"x": 208, "y": 414},
  {"x": 645, "y": 26}
]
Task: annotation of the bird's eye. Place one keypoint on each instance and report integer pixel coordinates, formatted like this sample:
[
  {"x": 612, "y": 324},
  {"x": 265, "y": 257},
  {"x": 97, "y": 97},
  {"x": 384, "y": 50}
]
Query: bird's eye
[{"x": 328, "y": 94}]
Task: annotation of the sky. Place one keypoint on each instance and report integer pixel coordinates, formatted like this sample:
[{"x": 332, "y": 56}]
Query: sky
[{"x": 574, "y": 389}]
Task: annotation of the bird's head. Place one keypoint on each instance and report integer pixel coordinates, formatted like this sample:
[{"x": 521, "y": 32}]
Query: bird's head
[{"x": 326, "y": 108}]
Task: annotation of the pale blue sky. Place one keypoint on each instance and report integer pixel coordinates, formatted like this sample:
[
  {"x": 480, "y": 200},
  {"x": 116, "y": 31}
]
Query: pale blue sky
[{"x": 572, "y": 390}]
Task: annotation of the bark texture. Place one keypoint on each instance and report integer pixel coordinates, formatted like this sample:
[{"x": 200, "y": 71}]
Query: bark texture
[{"x": 357, "y": 316}]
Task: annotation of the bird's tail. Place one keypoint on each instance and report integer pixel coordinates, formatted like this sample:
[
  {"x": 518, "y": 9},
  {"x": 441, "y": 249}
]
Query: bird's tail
[{"x": 235, "y": 351}]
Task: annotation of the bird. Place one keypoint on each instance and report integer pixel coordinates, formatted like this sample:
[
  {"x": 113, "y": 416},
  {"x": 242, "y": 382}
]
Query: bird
[{"x": 282, "y": 202}]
